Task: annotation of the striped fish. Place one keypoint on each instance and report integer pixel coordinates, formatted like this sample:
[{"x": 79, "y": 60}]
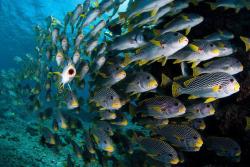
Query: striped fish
[
  {"x": 159, "y": 150},
  {"x": 211, "y": 86},
  {"x": 182, "y": 137},
  {"x": 161, "y": 107}
]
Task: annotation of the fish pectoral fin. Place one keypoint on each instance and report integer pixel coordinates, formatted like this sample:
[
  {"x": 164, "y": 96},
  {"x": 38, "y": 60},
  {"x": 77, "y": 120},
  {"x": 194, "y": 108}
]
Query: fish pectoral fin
[
  {"x": 210, "y": 99},
  {"x": 156, "y": 108},
  {"x": 187, "y": 31},
  {"x": 194, "y": 47},
  {"x": 216, "y": 88},
  {"x": 155, "y": 42},
  {"x": 185, "y": 17},
  {"x": 193, "y": 97},
  {"x": 152, "y": 155}
]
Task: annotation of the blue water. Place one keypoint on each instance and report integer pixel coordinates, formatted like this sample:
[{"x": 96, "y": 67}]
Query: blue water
[{"x": 17, "y": 19}]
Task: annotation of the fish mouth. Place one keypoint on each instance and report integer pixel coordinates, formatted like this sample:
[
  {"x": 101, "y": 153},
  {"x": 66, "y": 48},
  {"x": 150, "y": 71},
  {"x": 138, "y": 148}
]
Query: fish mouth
[
  {"x": 175, "y": 161},
  {"x": 199, "y": 143},
  {"x": 216, "y": 51},
  {"x": 152, "y": 84},
  {"x": 182, "y": 109},
  {"x": 212, "y": 111},
  {"x": 183, "y": 40},
  {"x": 116, "y": 104},
  {"x": 121, "y": 75},
  {"x": 236, "y": 87},
  {"x": 109, "y": 148}
]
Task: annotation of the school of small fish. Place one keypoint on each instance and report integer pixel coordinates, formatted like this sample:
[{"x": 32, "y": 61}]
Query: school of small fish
[{"x": 101, "y": 98}]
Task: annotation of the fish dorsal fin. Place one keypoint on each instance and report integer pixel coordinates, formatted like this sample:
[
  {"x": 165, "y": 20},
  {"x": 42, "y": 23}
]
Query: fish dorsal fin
[
  {"x": 207, "y": 64},
  {"x": 186, "y": 83}
]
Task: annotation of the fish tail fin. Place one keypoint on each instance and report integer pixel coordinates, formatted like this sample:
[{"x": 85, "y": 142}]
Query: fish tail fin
[
  {"x": 247, "y": 123},
  {"x": 212, "y": 5},
  {"x": 176, "y": 89},
  {"x": 246, "y": 41},
  {"x": 165, "y": 80},
  {"x": 196, "y": 71},
  {"x": 127, "y": 60}
]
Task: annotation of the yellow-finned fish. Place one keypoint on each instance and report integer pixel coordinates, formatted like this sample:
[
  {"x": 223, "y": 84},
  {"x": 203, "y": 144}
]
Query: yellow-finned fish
[
  {"x": 182, "y": 137},
  {"x": 211, "y": 86}
]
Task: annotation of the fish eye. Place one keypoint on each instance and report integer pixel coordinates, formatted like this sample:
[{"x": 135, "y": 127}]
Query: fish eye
[
  {"x": 105, "y": 142},
  {"x": 111, "y": 97},
  {"x": 170, "y": 155},
  {"x": 148, "y": 77},
  {"x": 176, "y": 104},
  {"x": 220, "y": 87},
  {"x": 195, "y": 137},
  {"x": 211, "y": 45},
  {"x": 231, "y": 80},
  {"x": 117, "y": 68},
  {"x": 208, "y": 105},
  {"x": 176, "y": 34},
  {"x": 197, "y": 110},
  {"x": 71, "y": 71}
]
